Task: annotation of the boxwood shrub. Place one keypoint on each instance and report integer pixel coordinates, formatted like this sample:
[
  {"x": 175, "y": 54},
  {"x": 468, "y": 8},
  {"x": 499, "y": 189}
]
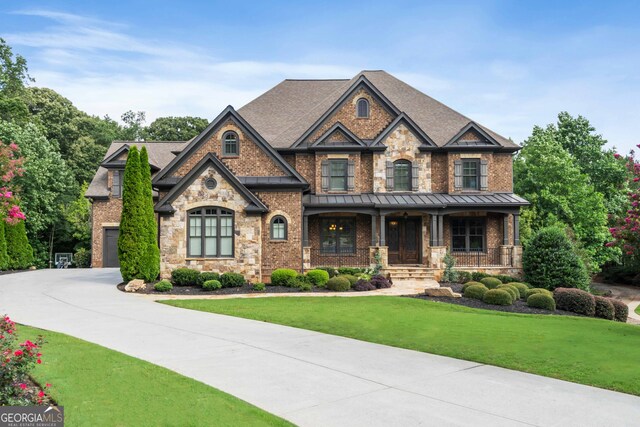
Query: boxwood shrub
[
  {"x": 532, "y": 291},
  {"x": 339, "y": 284},
  {"x": 521, "y": 287},
  {"x": 471, "y": 283},
  {"x": 498, "y": 297},
  {"x": 575, "y": 300},
  {"x": 350, "y": 277},
  {"x": 464, "y": 277},
  {"x": 333, "y": 272},
  {"x": 283, "y": 277},
  {"x": 185, "y": 277},
  {"x": 163, "y": 286},
  {"x": 491, "y": 282},
  {"x": 475, "y": 291},
  {"x": 363, "y": 285},
  {"x": 621, "y": 310},
  {"x": 206, "y": 276},
  {"x": 259, "y": 287},
  {"x": 380, "y": 282},
  {"x": 232, "y": 280},
  {"x": 541, "y": 300},
  {"x": 211, "y": 285},
  {"x": 515, "y": 294},
  {"x": 506, "y": 279},
  {"x": 604, "y": 308},
  {"x": 353, "y": 271},
  {"x": 318, "y": 277},
  {"x": 477, "y": 276}
]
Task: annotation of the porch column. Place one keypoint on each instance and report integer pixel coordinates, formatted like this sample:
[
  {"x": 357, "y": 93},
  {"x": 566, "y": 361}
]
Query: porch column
[
  {"x": 305, "y": 230},
  {"x": 440, "y": 230},
  {"x": 383, "y": 241},
  {"x": 374, "y": 231},
  {"x": 433, "y": 238},
  {"x": 505, "y": 230},
  {"x": 516, "y": 229}
]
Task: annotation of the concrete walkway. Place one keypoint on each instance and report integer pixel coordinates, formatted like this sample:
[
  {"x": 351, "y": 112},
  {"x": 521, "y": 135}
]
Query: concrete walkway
[{"x": 309, "y": 378}]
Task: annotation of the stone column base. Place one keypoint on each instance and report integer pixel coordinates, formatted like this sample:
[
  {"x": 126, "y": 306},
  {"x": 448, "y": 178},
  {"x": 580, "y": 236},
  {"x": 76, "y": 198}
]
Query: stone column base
[
  {"x": 306, "y": 258},
  {"x": 505, "y": 255},
  {"x": 384, "y": 255},
  {"x": 517, "y": 257},
  {"x": 437, "y": 256}
]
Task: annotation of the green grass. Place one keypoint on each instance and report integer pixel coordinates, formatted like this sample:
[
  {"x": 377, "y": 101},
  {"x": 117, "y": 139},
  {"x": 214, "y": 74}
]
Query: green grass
[
  {"x": 100, "y": 387},
  {"x": 637, "y": 310},
  {"x": 588, "y": 351}
]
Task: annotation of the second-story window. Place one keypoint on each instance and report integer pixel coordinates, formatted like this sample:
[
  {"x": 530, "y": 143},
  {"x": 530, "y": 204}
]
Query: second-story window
[
  {"x": 471, "y": 174},
  {"x": 362, "y": 108},
  {"x": 116, "y": 188},
  {"x": 230, "y": 145},
  {"x": 402, "y": 175},
  {"x": 338, "y": 175}
]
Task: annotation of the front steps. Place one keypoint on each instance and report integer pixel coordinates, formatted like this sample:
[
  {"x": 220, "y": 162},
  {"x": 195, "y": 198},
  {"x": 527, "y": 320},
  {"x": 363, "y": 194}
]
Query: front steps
[{"x": 415, "y": 273}]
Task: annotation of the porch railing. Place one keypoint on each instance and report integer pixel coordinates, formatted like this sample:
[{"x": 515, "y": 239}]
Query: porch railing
[
  {"x": 347, "y": 258},
  {"x": 490, "y": 257}
]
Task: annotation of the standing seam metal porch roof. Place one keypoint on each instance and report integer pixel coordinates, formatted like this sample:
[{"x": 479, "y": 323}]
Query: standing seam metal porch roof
[{"x": 413, "y": 200}]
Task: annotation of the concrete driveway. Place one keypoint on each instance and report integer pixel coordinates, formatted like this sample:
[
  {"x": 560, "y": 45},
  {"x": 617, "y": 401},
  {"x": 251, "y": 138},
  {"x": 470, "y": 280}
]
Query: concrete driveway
[{"x": 309, "y": 378}]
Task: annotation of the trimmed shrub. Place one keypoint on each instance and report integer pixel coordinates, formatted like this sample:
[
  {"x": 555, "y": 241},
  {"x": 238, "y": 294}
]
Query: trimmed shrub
[
  {"x": 477, "y": 276},
  {"x": 331, "y": 270},
  {"x": 530, "y": 292},
  {"x": 259, "y": 287},
  {"x": 521, "y": 287},
  {"x": 363, "y": 285},
  {"x": 283, "y": 277},
  {"x": 475, "y": 291},
  {"x": 4, "y": 258},
  {"x": 515, "y": 295},
  {"x": 471, "y": 283},
  {"x": 163, "y": 286},
  {"x": 381, "y": 282},
  {"x": 185, "y": 277},
  {"x": 302, "y": 282},
  {"x": 318, "y": 277},
  {"x": 212, "y": 285},
  {"x": 464, "y": 276},
  {"x": 353, "y": 271},
  {"x": 550, "y": 261},
  {"x": 541, "y": 300},
  {"x": 604, "y": 308},
  {"x": 575, "y": 300},
  {"x": 19, "y": 251},
  {"x": 350, "y": 277},
  {"x": 498, "y": 297},
  {"x": 491, "y": 282},
  {"x": 621, "y": 310},
  {"x": 506, "y": 279},
  {"x": 339, "y": 284},
  {"x": 232, "y": 280},
  {"x": 82, "y": 258},
  {"x": 205, "y": 276}
]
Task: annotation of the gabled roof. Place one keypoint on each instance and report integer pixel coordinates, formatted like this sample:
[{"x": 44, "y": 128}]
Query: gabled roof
[
  {"x": 112, "y": 161},
  {"x": 210, "y": 160},
  {"x": 485, "y": 138},
  {"x": 286, "y": 112},
  {"x": 352, "y": 139},
  {"x": 403, "y": 118},
  {"x": 227, "y": 113}
]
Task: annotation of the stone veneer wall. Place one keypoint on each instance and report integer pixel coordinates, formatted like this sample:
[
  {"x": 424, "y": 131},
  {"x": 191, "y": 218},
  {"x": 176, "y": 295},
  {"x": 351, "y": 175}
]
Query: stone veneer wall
[
  {"x": 401, "y": 144},
  {"x": 282, "y": 253},
  {"x": 245, "y": 164},
  {"x": 104, "y": 213},
  {"x": 247, "y": 228}
]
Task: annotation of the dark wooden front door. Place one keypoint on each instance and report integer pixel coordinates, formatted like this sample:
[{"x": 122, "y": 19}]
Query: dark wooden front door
[
  {"x": 403, "y": 240},
  {"x": 110, "y": 249}
]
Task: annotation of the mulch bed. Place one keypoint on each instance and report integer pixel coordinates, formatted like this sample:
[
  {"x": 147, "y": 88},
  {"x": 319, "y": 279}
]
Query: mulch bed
[
  {"x": 518, "y": 306},
  {"x": 245, "y": 289}
]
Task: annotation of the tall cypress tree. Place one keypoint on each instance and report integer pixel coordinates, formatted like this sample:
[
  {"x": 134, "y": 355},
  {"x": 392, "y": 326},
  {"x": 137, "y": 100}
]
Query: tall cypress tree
[
  {"x": 19, "y": 250},
  {"x": 131, "y": 241},
  {"x": 4, "y": 258},
  {"x": 151, "y": 262}
]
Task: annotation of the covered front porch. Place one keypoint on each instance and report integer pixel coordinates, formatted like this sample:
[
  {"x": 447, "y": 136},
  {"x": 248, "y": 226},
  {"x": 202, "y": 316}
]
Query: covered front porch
[{"x": 479, "y": 237}]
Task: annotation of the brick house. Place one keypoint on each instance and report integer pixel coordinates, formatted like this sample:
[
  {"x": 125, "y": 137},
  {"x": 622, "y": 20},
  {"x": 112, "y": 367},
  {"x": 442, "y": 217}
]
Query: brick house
[{"x": 325, "y": 173}]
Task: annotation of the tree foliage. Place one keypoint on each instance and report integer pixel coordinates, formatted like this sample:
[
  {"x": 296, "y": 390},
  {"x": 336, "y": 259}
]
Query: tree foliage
[
  {"x": 626, "y": 228},
  {"x": 151, "y": 260},
  {"x": 560, "y": 194},
  {"x": 4, "y": 257},
  {"x": 19, "y": 251},
  {"x": 78, "y": 215},
  {"x": 174, "y": 128},
  {"x": 550, "y": 261}
]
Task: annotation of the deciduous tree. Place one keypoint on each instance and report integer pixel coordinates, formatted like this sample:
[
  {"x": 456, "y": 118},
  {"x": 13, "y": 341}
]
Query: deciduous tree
[{"x": 174, "y": 128}]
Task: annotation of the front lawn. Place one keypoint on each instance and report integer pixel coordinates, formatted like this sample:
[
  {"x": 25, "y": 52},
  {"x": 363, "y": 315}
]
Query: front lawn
[
  {"x": 98, "y": 386},
  {"x": 583, "y": 350},
  {"x": 637, "y": 310}
]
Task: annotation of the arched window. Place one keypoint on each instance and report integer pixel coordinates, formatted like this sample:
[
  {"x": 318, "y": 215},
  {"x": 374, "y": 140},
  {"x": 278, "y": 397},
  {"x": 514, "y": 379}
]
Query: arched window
[
  {"x": 362, "y": 108},
  {"x": 278, "y": 228},
  {"x": 210, "y": 233},
  {"x": 230, "y": 144},
  {"x": 402, "y": 175}
]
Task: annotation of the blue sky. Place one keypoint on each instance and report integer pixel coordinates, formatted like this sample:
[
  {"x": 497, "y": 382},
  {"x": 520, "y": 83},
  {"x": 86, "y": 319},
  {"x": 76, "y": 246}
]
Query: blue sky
[{"x": 507, "y": 64}]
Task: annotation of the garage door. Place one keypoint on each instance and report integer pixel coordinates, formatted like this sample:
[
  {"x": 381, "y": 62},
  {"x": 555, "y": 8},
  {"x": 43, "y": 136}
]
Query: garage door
[{"x": 110, "y": 252}]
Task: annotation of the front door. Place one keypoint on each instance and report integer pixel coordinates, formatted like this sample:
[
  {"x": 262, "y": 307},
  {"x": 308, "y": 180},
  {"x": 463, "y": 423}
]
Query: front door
[
  {"x": 403, "y": 240},
  {"x": 110, "y": 250}
]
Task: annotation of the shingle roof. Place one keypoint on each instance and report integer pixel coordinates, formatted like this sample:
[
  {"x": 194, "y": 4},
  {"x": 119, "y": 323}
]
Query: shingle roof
[
  {"x": 413, "y": 200},
  {"x": 160, "y": 154},
  {"x": 285, "y": 112}
]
